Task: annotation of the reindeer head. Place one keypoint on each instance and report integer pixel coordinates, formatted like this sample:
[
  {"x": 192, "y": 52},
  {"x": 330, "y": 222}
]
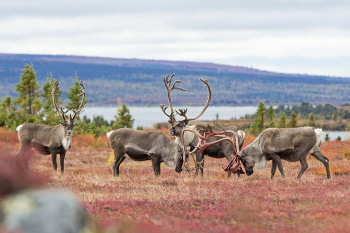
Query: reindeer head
[
  {"x": 68, "y": 124},
  {"x": 179, "y": 125}
]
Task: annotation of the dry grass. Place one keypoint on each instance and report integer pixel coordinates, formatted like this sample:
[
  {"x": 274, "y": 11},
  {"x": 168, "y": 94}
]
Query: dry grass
[{"x": 138, "y": 202}]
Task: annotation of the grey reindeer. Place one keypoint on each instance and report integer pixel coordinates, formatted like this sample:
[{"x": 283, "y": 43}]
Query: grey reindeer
[
  {"x": 140, "y": 145},
  {"x": 47, "y": 139},
  {"x": 292, "y": 145},
  {"x": 219, "y": 150}
]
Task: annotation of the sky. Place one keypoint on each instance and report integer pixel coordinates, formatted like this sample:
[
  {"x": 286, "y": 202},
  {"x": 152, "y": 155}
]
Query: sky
[{"x": 298, "y": 36}]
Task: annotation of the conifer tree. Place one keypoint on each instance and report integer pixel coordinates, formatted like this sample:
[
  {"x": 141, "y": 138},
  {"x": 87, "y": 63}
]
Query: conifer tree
[
  {"x": 260, "y": 113},
  {"x": 49, "y": 110},
  {"x": 28, "y": 91},
  {"x": 272, "y": 125},
  {"x": 123, "y": 119},
  {"x": 293, "y": 120},
  {"x": 282, "y": 122},
  {"x": 74, "y": 95},
  {"x": 311, "y": 120},
  {"x": 7, "y": 111},
  {"x": 271, "y": 113}
]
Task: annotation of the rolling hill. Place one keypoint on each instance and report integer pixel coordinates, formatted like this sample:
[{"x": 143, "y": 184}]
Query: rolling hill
[{"x": 139, "y": 82}]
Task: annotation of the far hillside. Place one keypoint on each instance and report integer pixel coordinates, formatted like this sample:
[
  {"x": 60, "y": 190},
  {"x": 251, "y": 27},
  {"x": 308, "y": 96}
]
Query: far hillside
[{"x": 139, "y": 82}]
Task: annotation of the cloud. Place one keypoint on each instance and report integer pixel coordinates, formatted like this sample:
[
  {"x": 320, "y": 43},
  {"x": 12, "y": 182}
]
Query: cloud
[{"x": 216, "y": 31}]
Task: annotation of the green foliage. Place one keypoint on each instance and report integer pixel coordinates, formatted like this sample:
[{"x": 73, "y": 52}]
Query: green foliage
[
  {"x": 338, "y": 138},
  {"x": 323, "y": 111},
  {"x": 259, "y": 120},
  {"x": 123, "y": 118},
  {"x": 91, "y": 128},
  {"x": 293, "y": 120},
  {"x": 28, "y": 91},
  {"x": 311, "y": 120},
  {"x": 74, "y": 95},
  {"x": 49, "y": 111},
  {"x": 326, "y": 138},
  {"x": 271, "y": 113},
  {"x": 272, "y": 125},
  {"x": 282, "y": 122}
]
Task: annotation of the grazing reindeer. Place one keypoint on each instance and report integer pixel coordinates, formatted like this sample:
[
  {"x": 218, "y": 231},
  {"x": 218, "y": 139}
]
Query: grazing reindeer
[
  {"x": 47, "y": 139},
  {"x": 142, "y": 145},
  {"x": 220, "y": 150},
  {"x": 288, "y": 144}
]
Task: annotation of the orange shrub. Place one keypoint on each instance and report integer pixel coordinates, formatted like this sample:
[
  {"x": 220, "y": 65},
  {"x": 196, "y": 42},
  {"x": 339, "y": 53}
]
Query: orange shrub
[
  {"x": 90, "y": 141},
  {"x": 7, "y": 135}
]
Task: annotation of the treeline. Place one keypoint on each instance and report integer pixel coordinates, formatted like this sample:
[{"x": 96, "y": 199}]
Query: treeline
[
  {"x": 305, "y": 114},
  {"x": 34, "y": 104}
]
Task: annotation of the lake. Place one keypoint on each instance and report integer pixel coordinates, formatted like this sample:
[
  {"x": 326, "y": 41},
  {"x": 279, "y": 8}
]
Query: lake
[{"x": 148, "y": 116}]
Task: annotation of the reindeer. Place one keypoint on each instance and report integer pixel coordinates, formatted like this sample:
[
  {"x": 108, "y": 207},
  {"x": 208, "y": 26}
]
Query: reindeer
[
  {"x": 47, "y": 139},
  {"x": 219, "y": 150},
  {"x": 291, "y": 145},
  {"x": 142, "y": 145}
]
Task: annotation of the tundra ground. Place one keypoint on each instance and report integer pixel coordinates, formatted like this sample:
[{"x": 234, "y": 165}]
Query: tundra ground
[{"x": 139, "y": 202}]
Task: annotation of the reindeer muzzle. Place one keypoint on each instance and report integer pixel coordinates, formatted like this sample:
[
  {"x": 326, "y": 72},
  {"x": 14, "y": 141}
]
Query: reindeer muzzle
[
  {"x": 69, "y": 132},
  {"x": 178, "y": 169},
  {"x": 172, "y": 132}
]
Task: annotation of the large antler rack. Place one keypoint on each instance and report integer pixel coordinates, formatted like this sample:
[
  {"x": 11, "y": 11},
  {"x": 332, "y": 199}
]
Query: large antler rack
[
  {"x": 181, "y": 112},
  {"x": 61, "y": 112},
  {"x": 53, "y": 93},
  {"x": 167, "y": 82},
  {"x": 235, "y": 165},
  {"x": 206, "y": 84}
]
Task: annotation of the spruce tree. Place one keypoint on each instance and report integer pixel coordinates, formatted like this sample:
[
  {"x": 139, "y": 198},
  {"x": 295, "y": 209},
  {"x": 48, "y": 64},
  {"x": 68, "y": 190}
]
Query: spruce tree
[
  {"x": 311, "y": 120},
  {"x": 282, "y": 122},
  {"x": 28, "y": 91},
  {"x": 293, "y": 120},
  {"x": 271, "y": 113},
  {"x": 49, "y": 110},
  {"x": 74, "y": 96},
  {"x": 260, "y": 113},
  {"x": 123, "y": 119},
  {"x": 7, "y": 111}
]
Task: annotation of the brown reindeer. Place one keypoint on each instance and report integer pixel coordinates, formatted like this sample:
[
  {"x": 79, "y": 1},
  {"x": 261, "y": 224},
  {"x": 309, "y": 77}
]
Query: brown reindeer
[
  {"x": 47, "y": 139},
  {"x": 291, "y": 145},
  {"x": 140, "y": 145},
  {"x": 219, "y": 150}
]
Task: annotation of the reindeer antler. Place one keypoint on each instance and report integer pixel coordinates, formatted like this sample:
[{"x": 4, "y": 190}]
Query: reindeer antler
[
  {"x": 206, "y": 84},
  {"x": 53, "y": 93},
  {"x": 167, "y": 82}
]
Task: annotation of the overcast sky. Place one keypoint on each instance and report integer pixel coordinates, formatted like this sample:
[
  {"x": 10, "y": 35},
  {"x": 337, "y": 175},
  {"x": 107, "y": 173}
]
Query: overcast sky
[{"x": 297, "y": 36}]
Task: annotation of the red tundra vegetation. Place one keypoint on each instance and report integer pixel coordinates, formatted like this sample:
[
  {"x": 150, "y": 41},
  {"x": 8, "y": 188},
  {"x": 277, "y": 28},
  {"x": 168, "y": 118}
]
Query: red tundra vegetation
[{"x": 137, "y": 201}]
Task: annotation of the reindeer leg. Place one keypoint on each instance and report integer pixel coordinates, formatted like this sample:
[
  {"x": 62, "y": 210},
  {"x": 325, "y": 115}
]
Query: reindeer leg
[
  {"x": 116, "y": 163},
  {"x": 156, "y": 167},
  {"x": 229, "y": 159},
  {"x": 24, "y": 154},
  {"x": 277, "y": 160},
  {"x": 62, "y": 155},
  {"x": 54, "y": 159},
  {"x": 304, "y": 166},
  {"x": 199, "y": 165},
  {"x": 318, "y": 155},
  {"x": 273, "y": 169}
]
